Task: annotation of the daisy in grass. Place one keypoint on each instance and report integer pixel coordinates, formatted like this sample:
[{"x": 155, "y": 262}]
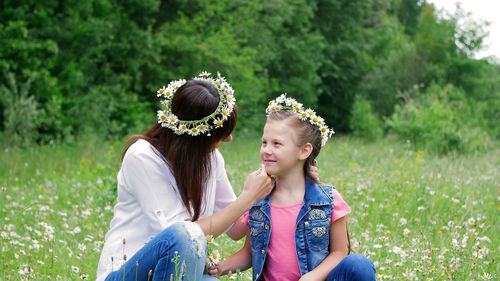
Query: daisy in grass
[{"x": 486, "y": 276}]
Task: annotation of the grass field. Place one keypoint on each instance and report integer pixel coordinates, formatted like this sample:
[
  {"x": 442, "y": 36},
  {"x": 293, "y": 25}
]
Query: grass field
[{"x": 416, "y": 216}]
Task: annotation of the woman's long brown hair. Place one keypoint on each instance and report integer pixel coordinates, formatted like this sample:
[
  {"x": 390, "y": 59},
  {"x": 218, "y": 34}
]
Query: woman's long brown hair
[{"x": 189, "y": 156}]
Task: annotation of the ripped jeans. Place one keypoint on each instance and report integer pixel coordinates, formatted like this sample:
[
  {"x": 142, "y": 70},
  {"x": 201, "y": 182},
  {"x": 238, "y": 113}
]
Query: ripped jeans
[{"x": 177, "y": 253}]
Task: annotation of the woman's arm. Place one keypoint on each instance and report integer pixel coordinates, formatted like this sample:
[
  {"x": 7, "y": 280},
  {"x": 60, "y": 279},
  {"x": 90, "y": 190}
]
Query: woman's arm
[
  {"x": 338, "y": 251},
  {"x": 257, "y": 185},
  {"x": 241, "y": 260}
]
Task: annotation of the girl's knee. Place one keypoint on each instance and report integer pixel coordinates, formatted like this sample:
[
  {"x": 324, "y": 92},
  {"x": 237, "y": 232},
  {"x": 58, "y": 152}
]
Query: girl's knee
[
  {"x": 360, "y": 266},
  {"x": 209, "y": 278},
  {"x": 358, "y": 259}
]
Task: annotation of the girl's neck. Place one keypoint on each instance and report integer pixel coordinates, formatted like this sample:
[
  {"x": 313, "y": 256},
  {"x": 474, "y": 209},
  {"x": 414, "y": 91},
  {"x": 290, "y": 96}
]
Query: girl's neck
[{"x": 290, "y": 189}]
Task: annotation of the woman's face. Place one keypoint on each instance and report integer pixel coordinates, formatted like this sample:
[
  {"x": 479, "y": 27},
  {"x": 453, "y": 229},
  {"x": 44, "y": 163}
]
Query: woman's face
[{"x": 227, "y": 139}]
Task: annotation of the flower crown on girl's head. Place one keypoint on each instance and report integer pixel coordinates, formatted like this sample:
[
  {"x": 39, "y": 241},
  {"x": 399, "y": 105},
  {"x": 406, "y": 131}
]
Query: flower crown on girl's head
[
  {"x": 284, "y": 103},
  {"x": 167, "y": 119}
]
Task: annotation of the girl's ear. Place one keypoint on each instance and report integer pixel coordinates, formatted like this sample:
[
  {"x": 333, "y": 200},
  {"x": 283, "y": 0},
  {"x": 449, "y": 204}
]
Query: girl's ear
[{"x": 305, "y": 151}]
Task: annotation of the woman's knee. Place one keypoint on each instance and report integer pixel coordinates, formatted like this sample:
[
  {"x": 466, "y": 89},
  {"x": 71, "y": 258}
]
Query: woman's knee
[
  {"x": 182, "y": 228},
  {"x": 184, "y": 236}
]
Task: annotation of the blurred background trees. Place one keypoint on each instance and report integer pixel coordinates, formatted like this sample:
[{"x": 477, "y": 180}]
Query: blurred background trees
[{"x": 370, "y": 67}]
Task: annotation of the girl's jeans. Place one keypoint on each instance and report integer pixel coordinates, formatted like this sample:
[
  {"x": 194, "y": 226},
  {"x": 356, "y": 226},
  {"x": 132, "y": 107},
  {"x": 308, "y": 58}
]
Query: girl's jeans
[
  {"x": 354, "y": 267},
  {"x": 177, "y": 253}
]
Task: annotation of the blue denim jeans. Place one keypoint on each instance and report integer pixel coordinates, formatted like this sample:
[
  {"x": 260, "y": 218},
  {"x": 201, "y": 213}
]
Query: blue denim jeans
[
  {"x": 354, "y": 267},
  {"x": 177, "y": 253}
]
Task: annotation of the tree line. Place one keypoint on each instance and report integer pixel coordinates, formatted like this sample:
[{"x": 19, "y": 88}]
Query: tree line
[{"x": 369, "y": 67}]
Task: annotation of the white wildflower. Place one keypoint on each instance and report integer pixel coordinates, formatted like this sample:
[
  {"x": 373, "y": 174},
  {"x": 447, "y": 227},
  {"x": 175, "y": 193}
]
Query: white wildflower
[
  {"x": 82, "y": 247},
  {"x": 214, "y": 258}
]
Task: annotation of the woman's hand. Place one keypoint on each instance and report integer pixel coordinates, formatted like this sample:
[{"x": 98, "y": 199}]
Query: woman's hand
[{"x": 257, "y": 185}]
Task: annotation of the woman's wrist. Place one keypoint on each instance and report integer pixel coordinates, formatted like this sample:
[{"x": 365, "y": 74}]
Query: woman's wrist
[{"x": 246, "y": 199}]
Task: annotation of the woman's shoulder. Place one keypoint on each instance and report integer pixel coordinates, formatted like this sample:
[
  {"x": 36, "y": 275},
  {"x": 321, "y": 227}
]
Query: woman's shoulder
[
  {"x": 141, "y": 150},
  {"x": 140, "y": 146},
  {"x": 218, "y": 158}
]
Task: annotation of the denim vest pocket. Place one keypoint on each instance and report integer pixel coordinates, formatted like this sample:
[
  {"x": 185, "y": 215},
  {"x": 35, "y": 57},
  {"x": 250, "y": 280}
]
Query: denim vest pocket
[
  {"x": 257, "y": 235},
  {"x": 318, "y": 234}
]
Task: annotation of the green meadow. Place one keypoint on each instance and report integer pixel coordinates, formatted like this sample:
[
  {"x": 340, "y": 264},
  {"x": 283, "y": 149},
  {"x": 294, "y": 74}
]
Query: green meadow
[
  {"x": 417, "y": 216},
  {"x": 424, "y": 191}
]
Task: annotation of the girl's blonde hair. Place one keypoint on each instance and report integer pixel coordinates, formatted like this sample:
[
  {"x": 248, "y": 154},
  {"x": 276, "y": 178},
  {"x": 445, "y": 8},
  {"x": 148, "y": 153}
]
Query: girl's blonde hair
[{"x": 306, "y": 133}]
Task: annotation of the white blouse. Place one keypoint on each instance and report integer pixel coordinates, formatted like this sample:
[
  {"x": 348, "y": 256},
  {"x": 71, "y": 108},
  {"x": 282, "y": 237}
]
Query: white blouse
[{"x": 148, "y": 201}]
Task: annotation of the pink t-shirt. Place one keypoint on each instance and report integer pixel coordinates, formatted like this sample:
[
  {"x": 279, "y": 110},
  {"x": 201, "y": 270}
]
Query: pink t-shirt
[{"x": 281, "y": 261}]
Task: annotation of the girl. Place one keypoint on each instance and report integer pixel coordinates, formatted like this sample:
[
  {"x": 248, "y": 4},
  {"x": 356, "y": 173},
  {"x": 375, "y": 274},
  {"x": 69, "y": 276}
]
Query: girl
[
  {"x": 173, "y": 188},
  {"x": 298, "y": 232}
]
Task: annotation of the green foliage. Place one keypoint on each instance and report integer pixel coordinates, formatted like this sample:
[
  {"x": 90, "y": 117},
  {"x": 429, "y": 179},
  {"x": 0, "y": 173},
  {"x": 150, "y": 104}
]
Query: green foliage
[
  {"x": 396, "y": 73},
  {"x": 340, "y": 23},
  {"x": 438, "y": 120},
  {"x": 97, "y": 64},
  {"x": 408, "y": 14},
  {"x": 435, "y": 39},
  {"x": 89, "y": 58},
  {"x": 21, "y": 113},
  {"x": 294, "y": 52},
  {"x": 488, "y": 105},
  {"x": 363, "y": 121}
]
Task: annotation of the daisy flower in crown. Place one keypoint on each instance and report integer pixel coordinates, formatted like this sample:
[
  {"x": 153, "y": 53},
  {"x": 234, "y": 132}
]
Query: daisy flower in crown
[
  {"x": 286, "y": 103},
  {"x": 167, "y": 119}
]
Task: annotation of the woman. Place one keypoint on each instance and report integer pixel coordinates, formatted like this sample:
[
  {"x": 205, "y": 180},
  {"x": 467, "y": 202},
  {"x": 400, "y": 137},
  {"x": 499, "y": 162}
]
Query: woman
[{"x": 173, "y": 189}]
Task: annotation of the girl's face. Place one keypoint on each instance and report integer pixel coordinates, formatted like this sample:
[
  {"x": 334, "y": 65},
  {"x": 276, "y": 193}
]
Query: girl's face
[{"x": 279, "y": 151}]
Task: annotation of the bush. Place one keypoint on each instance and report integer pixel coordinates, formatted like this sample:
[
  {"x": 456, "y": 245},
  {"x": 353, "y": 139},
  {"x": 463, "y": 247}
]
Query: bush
[
  {"x": 438, "y": 120},
  {"x": 363, "y": 121},
  {"x": 392, "y": 75},
  {"x": 21, "y": 112}
]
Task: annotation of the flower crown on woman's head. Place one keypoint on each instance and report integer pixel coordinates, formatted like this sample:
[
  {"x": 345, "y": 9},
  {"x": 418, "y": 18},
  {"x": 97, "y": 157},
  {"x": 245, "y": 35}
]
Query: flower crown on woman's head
[
  {"x": 284, "y": 103},
  {"x": 167, "y": 119}
]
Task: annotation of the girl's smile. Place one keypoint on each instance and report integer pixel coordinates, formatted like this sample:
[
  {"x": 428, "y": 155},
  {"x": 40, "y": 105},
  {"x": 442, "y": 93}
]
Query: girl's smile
[{"x": 268, "y": 161}]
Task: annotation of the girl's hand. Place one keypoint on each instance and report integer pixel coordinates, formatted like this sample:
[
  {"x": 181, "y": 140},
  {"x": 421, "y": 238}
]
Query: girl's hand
[
  {"x": 258, "y": 185},
  {"x": 213, "y": 270}
]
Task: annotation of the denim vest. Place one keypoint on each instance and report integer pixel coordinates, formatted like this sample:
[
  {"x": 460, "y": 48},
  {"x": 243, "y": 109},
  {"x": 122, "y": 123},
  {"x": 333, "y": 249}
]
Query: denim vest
[{"x": 312, "y": 231}]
